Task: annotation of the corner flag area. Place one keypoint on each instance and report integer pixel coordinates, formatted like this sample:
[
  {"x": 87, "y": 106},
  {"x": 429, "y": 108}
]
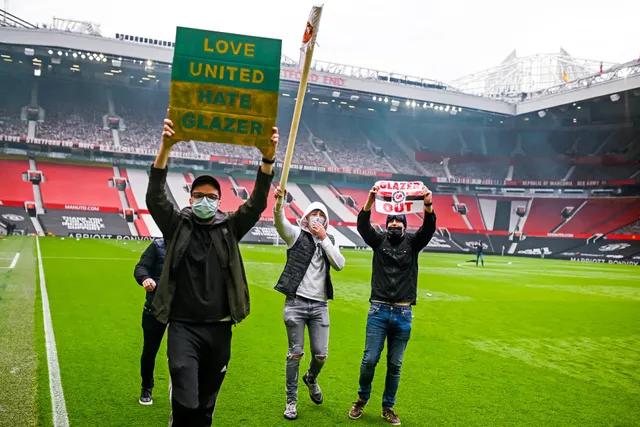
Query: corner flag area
[{"x": 521, "y": 341}]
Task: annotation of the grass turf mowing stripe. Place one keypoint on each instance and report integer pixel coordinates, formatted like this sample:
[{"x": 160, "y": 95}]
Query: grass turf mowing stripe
[
  {"x": 486, "y": 347},
  {"x": 59, "y": 408},
  {"x": 18, "y": 360}
]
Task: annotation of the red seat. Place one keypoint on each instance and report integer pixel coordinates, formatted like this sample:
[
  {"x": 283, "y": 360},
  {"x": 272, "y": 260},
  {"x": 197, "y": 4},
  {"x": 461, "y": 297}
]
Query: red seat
[
  {"x": 473, "y": 211},
  {"x": 597, "y": 216},
  {"x": 13, "y": 190},
  {"x": 78, "y": 185},
  {"x": 545, "y": 214},
  {"x": 267, "y": 215}
]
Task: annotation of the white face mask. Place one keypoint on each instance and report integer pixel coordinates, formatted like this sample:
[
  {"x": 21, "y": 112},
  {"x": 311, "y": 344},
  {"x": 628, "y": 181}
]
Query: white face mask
[{"x": 314, "y": 219}]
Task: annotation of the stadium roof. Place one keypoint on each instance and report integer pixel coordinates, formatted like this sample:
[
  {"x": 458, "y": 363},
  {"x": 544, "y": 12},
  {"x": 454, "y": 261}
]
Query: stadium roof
[{"x": 517, "y": 86}]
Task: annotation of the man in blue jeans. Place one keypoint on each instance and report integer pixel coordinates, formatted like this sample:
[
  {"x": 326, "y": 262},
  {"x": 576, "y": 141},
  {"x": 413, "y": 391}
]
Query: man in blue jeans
[{"x": 394, "y": 283}]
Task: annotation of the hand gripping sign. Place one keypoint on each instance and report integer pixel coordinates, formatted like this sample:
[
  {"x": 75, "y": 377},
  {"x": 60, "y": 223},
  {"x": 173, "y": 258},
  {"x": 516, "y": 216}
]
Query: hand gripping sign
[{"x": 399, "y": 197}]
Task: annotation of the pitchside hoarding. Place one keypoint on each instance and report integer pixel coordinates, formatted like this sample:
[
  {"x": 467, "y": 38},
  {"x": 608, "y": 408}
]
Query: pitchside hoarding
[{"x": 224, "y": 87}]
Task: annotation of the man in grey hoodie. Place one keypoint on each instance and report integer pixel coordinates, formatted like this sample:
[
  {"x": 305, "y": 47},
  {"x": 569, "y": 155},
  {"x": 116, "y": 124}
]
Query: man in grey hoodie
[{"x": 306, "y": 282}]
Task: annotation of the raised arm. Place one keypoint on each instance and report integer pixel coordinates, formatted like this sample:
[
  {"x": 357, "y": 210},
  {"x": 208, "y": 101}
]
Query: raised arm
[
  {"x": 424, "y": 234},
  {"x": 370, "y": 236},
  {"x": 286, "y": 231},
  {"x": 162, "y": 210},
  {"x": 250, "y": 211}
]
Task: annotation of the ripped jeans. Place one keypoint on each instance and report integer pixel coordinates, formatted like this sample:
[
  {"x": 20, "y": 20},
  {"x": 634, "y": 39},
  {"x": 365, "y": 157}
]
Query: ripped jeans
[{"x": 297, "y": 313}]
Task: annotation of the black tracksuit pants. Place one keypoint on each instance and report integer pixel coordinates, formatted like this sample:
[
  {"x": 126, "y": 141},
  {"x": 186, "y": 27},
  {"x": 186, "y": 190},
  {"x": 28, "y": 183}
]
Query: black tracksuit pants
[
  {"x": 198, "y": 356},
  {"x": 152, "y": 331}
]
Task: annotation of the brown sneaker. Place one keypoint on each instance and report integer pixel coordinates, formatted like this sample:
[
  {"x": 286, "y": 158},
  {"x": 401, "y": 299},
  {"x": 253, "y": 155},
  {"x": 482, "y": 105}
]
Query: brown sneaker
[
  {"x": 391, "y": 417},
  {"x": 356, "y": 410}
]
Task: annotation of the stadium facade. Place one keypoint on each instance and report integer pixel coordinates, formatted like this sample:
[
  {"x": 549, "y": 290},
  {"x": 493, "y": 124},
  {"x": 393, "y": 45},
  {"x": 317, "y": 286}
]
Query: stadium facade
[{"x": 545, "y": 169}]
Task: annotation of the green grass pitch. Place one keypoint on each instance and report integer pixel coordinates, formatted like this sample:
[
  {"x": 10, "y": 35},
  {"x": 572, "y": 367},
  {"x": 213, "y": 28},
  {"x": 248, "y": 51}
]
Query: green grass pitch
[{"x": 531, "y": 343}]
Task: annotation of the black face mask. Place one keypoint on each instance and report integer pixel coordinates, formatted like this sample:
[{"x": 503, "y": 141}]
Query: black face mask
[{"x": 395, "y": 233}]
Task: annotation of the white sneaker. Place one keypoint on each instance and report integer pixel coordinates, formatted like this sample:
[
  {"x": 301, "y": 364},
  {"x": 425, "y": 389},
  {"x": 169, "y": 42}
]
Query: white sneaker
[{"x": 291, "y": 411}]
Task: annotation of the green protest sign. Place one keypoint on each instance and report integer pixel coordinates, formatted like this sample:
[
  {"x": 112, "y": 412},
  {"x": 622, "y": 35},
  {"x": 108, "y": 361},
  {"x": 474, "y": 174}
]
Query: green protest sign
[{"x": 224, "y": 87}]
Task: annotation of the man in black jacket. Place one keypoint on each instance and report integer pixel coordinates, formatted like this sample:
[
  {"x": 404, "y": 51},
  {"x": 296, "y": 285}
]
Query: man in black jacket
[
  {"x": 203, "y": 288},
  {"x": 147, "y": 274},
  {"x": 394, "y": 284}
]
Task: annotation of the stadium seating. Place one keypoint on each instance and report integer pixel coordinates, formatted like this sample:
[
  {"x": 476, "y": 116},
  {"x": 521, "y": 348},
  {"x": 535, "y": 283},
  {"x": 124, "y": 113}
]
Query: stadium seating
[
  {"x": 360, "y": 196},
  {"x": 473, "y": 211},
  {"x": 14, "y": 190},
  {"x": 633, "y": 228},
  {"x": 14, "y": 94},
  {"x": 78, "y": 185},
  {"x": 75, "y": 110},
  {"x": 628, "y": 212},
  {"x": 249, "y": 184},
  {"x": 545, "y": 214},
  {"x": 588, "y": 172},
  {"x": 539, "y": 170},
  {"x": 447, "y": 217},
  {"x": 594, "y": 214}
]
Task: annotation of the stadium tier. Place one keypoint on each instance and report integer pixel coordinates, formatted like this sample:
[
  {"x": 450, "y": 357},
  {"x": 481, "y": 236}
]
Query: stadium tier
[
  {"x": 71, "y": 110},
  {"x": 86, "y": 199}
]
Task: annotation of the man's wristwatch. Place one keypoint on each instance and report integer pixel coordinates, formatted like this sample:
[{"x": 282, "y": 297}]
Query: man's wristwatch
[
  {"x": 428, "y": 204},
  {"x": 268, "y": 162}
]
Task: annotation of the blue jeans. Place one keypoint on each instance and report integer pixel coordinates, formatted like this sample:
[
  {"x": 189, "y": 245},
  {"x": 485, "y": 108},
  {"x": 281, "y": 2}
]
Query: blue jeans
[
  {"x": 479, "y": 257},
  {"x": 393, "y": 324}
]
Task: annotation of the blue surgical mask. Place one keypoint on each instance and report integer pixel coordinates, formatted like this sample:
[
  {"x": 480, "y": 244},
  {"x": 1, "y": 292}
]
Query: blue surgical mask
[{"x": 205, "y": 208}]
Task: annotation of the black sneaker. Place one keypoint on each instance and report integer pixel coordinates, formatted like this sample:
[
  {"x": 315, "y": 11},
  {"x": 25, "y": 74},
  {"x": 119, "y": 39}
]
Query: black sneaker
[
  {"x": 145, "y": 397},
  {"x": 314, "y": 389}
]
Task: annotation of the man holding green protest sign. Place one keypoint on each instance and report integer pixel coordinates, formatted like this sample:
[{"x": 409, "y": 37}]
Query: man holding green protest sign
[{"x": 224, "y": 89}]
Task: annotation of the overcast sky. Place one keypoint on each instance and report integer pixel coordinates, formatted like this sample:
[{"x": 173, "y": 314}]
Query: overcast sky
[{"x": 441, "y": 40}]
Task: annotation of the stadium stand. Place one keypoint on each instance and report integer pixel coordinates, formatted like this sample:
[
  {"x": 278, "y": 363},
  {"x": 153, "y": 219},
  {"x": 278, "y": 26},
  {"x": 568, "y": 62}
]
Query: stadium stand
[
  {"x": 14, "y": 189},
  {"x": 447, "y": 217},
  {"x": 545, "y": 214},
  {"x": 73, "y": 112},
  {"x": 586, "y": 172},
  {"x": 76, "y": 110},
  {"x": 633, "y": 228},
  {"x": 595, "y": 213},
  {"x": 78, "y": 186},
  {"x": 484, "y": 170},
  {"x": 535, "y": 170},
  {"x": 14, "y": 94},
  {"x": 473, "y": 211},
  {"x": 248, "y": 185}
]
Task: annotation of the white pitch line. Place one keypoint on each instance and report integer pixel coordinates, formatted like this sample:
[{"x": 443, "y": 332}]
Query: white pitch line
[
  {"x": 15, "y": 260},
  {"x": 58, "y": 405}
]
